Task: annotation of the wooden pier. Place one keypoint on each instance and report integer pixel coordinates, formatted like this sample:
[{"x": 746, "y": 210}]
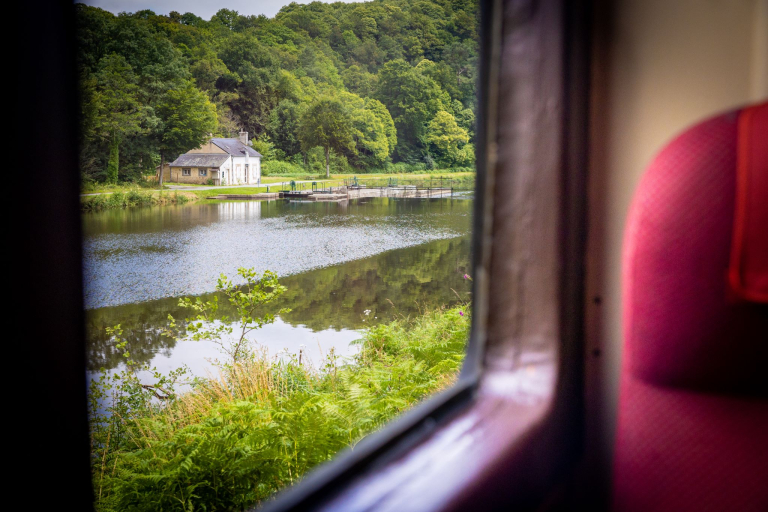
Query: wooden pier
[
  {"x": 263, "y": 195},
  {"x": 343, "y": 193}
]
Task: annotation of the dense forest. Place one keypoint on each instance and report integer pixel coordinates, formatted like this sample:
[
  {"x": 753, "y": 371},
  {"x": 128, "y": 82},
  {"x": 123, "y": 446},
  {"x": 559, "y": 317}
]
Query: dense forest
[{"x": 367, "y": 85}]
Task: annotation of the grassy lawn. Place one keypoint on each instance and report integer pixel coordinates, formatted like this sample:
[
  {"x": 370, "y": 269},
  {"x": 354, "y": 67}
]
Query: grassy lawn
[
  {"x": 280, "y": 179},
  {"x": 373, "y": 179},
  {"x": 205, "y": 194},
  {"x": 103, "y": 188}
]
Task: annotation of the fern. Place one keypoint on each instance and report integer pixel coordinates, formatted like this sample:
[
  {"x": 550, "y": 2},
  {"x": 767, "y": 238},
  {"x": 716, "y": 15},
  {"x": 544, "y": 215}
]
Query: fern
[{"x": 234, "y": 441}]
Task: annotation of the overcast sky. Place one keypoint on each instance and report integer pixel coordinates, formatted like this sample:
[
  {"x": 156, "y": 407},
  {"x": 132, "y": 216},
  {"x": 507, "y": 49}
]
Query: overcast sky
[{"x": 203, "y": 8}]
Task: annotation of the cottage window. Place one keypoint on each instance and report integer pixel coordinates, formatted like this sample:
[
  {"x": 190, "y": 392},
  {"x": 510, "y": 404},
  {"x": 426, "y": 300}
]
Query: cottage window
[
  {"x": 203, "y": 172},
  {"x": 186, "y": 172}
]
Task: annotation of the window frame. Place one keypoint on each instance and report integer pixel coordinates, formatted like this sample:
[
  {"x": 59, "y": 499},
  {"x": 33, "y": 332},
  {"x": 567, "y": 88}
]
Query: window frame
[
  {"x": 202, "y": 172},
  {"x": 497, "y": 466},
  {"x": 186, "y": 171}
]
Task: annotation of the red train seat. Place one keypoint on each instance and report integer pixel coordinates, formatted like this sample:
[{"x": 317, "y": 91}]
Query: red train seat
[{"x": 693, "y": 407}]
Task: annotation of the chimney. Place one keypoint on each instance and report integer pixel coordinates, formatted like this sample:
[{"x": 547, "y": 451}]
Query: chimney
[{"x": 244, "y": 137}]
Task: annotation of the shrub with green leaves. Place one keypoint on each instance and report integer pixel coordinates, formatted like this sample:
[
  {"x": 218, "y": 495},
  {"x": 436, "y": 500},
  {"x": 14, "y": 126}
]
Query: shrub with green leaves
[
  {"x": 235, "y": 440},
  {"x": 278, "y": 168},
  {"x": 129, "y": 199}
]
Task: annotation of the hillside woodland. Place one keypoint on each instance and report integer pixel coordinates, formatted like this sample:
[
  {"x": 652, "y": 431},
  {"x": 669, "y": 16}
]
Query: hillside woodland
[{"x": 373, "y": 86}]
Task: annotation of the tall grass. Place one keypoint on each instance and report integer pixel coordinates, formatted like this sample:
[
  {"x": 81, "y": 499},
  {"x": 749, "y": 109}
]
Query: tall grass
[
  {"x": 132, "y": 198},
  {"x": 89, "y": 186},
  {"x": 261, "y": 424}
]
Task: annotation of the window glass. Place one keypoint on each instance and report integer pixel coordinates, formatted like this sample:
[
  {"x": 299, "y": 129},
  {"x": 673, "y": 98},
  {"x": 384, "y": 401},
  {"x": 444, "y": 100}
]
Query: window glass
[{"x": 239, "y": 334}]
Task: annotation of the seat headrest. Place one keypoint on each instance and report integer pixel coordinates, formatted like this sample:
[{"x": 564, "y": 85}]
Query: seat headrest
[
  {"x": 748, "y": 272},
  {"x": 684, "y": 325}
]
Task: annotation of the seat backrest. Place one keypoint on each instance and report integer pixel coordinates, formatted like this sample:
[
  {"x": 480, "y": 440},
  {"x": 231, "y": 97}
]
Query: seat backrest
[{"x": 693, "y": 411}]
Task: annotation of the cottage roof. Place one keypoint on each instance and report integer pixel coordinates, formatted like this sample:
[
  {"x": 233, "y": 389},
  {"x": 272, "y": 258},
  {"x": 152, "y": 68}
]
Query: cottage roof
[
  {"x": 235, "y": 147},
  {"x": 200, "y": 160}
]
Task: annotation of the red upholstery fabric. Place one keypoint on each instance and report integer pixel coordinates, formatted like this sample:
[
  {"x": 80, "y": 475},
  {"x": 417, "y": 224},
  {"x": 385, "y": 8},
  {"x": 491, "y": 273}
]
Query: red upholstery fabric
[
  {"x": 681, "y": 450},
  {"x": 749, "y": 250},
  {"x": 693, "y": 411}
]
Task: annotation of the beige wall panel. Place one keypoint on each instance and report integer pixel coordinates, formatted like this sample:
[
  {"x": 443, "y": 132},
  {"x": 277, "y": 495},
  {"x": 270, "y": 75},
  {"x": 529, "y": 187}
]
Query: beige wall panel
[{"x": 660, "y": 66}]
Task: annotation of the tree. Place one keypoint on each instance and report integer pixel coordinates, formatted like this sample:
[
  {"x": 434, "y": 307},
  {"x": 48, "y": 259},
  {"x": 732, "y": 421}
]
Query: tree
[
  {"x": 226, "y": 17},
  {"x": 186, "y": 118},
  {"x": 283, "y": 127},
  {"x": 113, "y": 165},
  {"x": 446, "y": 138},
  {"x": 114, "y": 110},
  {"x": 373, "y": 130},
  {"x": 358, "y": 80},
  {"x": 327, "y": 124},
  {"x": 247, "y": 302},
  {"x": 412, "y": 99},
  {"x": 381, "y": 112},
  {"x": 415, "y": 57}
]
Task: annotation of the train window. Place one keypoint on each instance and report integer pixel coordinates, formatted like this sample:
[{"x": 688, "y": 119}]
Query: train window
[
  {"x": 515, "y": 404},
  {"x": 292, "y": 322}
]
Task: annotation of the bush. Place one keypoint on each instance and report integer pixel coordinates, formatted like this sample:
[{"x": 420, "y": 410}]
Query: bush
[
  {"x": 277, "y": 168},
  {"x": 130, "y": 199},
  {"x": 235, "y": 440},
  {"x": 180, "y": 198},
  {"x": 116, "y": 200},
  {"x": 94, "y": 203}
]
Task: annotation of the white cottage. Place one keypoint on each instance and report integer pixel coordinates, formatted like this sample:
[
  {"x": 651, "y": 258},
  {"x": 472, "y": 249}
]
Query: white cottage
[{"x": 223, "y": 161}]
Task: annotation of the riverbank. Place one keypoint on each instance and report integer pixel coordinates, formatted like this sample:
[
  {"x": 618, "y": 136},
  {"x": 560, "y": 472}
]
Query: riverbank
[
  {"x": 133, "y": 198},
  {"x": 236, "y": 439},
  {"x": 126, "y": 197}
]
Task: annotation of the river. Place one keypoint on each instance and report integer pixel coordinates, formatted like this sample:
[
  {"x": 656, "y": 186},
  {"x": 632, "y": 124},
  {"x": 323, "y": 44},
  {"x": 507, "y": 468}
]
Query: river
[{"x": 346, "y": 267}]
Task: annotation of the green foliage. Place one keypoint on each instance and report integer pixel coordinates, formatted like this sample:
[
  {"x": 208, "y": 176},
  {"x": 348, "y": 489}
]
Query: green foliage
[
  {"x": 114, "y": 160},
  {"x": 188, "y": 118},
  {"x": 447, "y": 139},
  {"x": 116, "y": 400},
  {"x": 266, "y": 148},
  {"x": 276, "y": 168},
  {"x": 283, "y": 127},
  {"x": 130, "y": 199},
  {"x": 327, "y": 123},
  {"x": 413, "y": 99},
  {"x": 233, "y": 441},
  {"x": 245, "y": 302},
  {"x": 262, "y": 75}
]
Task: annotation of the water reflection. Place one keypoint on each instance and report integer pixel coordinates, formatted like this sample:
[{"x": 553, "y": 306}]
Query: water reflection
[
  {"x": 328, "y": 305},
  {"x": 143, "y": 254}
]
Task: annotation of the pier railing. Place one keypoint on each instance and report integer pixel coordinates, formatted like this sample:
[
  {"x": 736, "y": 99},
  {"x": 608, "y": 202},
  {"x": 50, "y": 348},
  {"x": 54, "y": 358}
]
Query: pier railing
[{"x": 431, "y": 182}]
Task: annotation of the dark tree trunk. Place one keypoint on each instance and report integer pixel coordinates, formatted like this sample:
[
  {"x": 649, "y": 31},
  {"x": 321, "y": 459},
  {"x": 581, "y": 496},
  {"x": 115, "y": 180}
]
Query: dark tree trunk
[{"x": 162, "y": 168}]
